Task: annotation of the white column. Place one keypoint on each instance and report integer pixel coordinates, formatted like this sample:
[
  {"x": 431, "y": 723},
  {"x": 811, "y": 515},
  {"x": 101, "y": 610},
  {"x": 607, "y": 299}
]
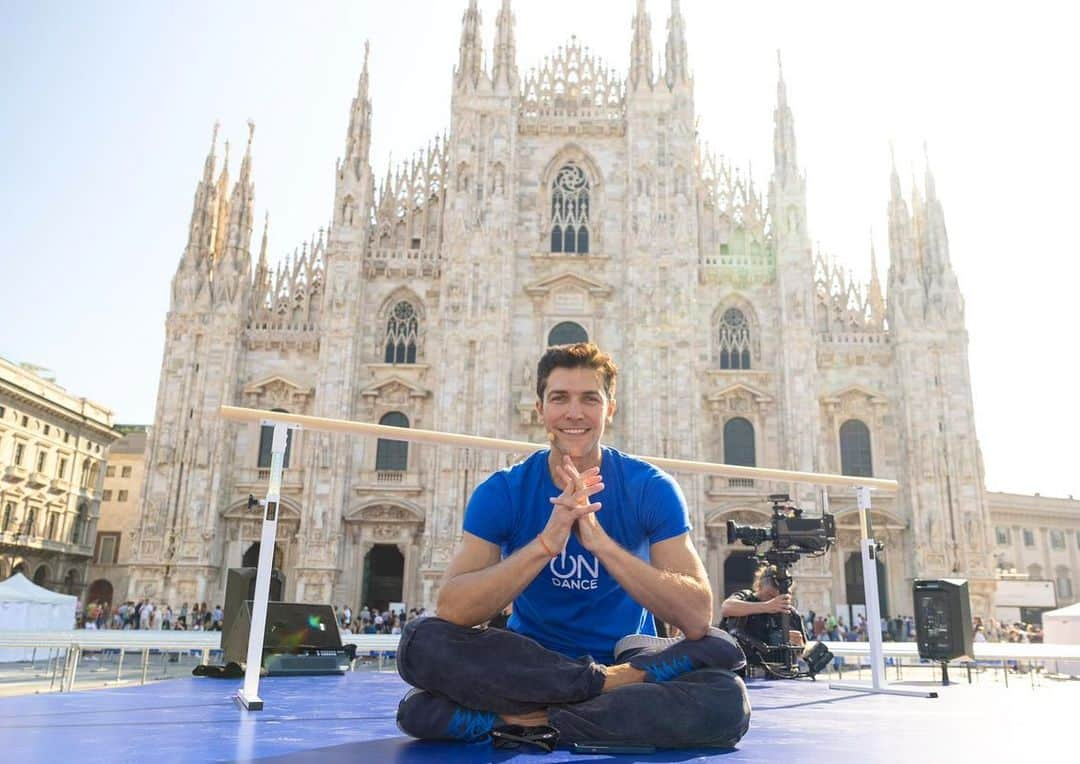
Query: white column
[{"x": 249, "y": 693}]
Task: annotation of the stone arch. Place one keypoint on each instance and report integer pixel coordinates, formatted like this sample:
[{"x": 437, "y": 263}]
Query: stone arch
[
  {"x": 739, "y": 569},
  {"x": 717, "y": 564},
  {"x": 101, "y": 590},
  {"x": 250, "y": 558},
  {"x": 878, "y": 517},
  {"x": 72, "y": 581},
  {"x": 856, "y": 448},
  {"x": 43, "y": 575},
  {"x": 753, "y": 321},
  {"x": 365, "y": 512},
  {"x": 572, "y": 153},
  {"x": 566, "y": 332},
  {"x": 243, "y": 527},
  {"x": 384, "y": 314},
  {"x": 388, "y": 521}
]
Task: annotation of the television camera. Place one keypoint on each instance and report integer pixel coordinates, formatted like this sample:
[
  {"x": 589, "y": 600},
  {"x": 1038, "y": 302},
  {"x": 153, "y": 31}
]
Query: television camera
[{"x": 790, "y": 536}]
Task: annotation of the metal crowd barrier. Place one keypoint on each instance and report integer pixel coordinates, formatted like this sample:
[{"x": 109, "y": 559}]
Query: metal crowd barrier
[
  {"x": 1002, "y": 653},
  {"x": 65, "y": 648}
]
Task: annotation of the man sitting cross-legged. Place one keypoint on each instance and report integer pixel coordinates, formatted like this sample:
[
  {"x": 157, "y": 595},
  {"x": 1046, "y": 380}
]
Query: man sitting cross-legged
[{"x": 587, "y": 543}]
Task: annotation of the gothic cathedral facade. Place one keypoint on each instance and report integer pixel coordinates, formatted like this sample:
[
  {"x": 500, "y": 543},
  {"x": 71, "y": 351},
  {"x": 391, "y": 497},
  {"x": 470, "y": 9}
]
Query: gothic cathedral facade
[{"x": 569, "y": 202}]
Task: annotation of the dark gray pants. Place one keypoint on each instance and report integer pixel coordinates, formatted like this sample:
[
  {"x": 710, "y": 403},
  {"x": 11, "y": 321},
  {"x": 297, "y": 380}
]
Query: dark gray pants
[{"x": 505, "y": 672}]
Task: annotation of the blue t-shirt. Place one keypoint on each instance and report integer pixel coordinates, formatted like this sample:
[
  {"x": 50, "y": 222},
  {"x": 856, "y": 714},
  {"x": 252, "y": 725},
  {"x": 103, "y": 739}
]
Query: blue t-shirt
[{"x": 574, "y": 606}]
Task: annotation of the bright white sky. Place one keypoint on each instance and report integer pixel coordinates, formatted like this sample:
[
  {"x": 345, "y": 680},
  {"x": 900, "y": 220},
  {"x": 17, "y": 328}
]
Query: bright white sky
[{"x": 108, "y": 109}]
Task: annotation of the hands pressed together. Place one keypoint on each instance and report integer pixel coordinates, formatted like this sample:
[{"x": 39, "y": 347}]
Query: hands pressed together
[{"x": 573, "y": 509}]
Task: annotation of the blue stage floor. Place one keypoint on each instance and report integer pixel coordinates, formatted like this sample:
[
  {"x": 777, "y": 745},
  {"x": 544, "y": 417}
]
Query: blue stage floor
[{"x": 351, "y": 719}]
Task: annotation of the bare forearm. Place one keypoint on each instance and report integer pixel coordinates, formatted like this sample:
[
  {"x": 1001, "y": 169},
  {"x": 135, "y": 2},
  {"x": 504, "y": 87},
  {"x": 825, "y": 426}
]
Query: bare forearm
[
  {"x": 471, "y": 598},
  {"x": 734, "y": 608},
  {"x": 676, "y": 598}
]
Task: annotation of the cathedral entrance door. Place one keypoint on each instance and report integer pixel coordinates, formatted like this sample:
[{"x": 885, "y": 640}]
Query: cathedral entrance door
[
  {"x": 739, "y": 570},
  {"x": 853, "y": 578},
  {"x": 251, "y": 557},
  {"x": 100, "y": 591},
  {"x": 384, "y": 576}
]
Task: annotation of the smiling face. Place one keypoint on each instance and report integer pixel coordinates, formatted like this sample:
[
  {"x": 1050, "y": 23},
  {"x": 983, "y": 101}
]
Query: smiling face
[{"x": 574, "y": 410}]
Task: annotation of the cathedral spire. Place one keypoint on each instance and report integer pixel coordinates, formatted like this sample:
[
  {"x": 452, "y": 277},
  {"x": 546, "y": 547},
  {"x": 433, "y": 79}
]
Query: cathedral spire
[
  {"x": 220, "y": 214},
  {"x": 896, "y": 195},
  {"x": 504, "y": 71},
  {"x": 641, "y": 71},
  {"x": 931, "y": 188},
  {"x": 202, "y": 209},
  {"x": 208, "y": 166},
  {"x": 938, "y": 263},
  {"x": 358, "y": 139},
  {"x": 785, "y": 158},
  {"x": 233, "y": 262},
  {"x": 875, "y": 299},
  {"x": 261, "y": 287},
  {"x": 470, "y": 68},
  {"x": 677, "y": 70}
]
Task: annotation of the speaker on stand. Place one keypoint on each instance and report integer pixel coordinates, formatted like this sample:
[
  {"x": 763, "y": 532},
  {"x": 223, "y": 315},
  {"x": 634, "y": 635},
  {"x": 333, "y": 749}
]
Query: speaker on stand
[{"x": 943, "y": 628}]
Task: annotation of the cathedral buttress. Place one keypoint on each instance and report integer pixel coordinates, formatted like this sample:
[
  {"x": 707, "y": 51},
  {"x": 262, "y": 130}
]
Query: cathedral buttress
[
  {"x": 329, "y": 460},
  {"x": 941, "y": 472},
  {"x": 189, "y": 454},
  {"x": 799, "y": 433}
]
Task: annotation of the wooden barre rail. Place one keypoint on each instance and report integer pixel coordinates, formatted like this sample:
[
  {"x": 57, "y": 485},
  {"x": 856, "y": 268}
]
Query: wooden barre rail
[{"x": 436, "y": 438}]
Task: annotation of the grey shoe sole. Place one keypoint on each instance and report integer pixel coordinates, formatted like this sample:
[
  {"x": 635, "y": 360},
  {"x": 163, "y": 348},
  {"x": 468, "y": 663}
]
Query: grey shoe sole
[
  {"x": 638, "y": 642},
  {"x": 405, "y": 700}
]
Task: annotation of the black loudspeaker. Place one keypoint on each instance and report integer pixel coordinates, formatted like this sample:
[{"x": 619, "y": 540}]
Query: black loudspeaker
[
  {"x": 292, "y": 628},
  {"x": 240, "y": 587},
  {"x": 943, "y": 619}
]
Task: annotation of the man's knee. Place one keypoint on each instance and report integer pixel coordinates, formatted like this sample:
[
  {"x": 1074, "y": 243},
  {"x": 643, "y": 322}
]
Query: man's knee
[
  {"x": 724, "y": 707},
  {"x": 423, "y": 640}
]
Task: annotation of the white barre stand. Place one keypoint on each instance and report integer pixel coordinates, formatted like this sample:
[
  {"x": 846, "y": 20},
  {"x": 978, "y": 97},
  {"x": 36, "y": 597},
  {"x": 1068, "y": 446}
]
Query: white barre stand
[
  {"x": 873, "y": 611},
  {"x": 248, "y": 695}
]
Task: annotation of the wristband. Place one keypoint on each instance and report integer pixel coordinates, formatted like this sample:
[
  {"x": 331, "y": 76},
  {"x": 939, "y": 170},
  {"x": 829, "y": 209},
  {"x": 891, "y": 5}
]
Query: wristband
[{"x": 540, "y": 538}]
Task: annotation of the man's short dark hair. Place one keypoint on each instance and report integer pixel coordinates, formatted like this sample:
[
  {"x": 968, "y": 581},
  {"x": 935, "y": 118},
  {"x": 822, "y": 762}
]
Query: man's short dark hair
[{"x": 579, "y": 355}]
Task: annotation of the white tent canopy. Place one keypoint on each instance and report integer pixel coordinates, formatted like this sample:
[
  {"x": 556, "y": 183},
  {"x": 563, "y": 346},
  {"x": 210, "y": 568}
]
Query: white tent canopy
[
  {"x": 25, "y": 606},
  {"x": 1062, "y": 627}
]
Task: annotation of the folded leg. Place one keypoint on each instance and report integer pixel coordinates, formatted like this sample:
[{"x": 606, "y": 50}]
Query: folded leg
[
  {"x": 708, "y": 708},
  {"x": 492, "y": 669}
]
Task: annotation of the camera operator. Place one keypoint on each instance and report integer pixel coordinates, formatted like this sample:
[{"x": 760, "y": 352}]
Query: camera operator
[{"x": 757, "y": 612}]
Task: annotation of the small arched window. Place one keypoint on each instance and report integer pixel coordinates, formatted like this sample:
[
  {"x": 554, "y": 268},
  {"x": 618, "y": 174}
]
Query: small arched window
[
  {"x": 739, "y": 443},
  {"x": 570, "y": 210},
  {"x": 402, "y": 334},
  {"x": 734, "y": 340},
  {"x": 266, "y": 444},
  {"x": 392, "y": 455},
  {"x": 567, "y": 333},
  {"x": 855, "y": 455}
]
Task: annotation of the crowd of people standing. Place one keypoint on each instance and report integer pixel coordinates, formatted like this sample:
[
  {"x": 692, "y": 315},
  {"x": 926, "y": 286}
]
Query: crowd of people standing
[
  {"x": 148, "y": 615},
  {"x": 368, "y": 620}
]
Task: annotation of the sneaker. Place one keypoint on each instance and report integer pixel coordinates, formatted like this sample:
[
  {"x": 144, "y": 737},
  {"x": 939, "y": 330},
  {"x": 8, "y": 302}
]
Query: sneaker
[
  {"x": 425, "y": 715},
  {"x": 664, "y": 659},
  {"x": 632, "y": 644}
]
